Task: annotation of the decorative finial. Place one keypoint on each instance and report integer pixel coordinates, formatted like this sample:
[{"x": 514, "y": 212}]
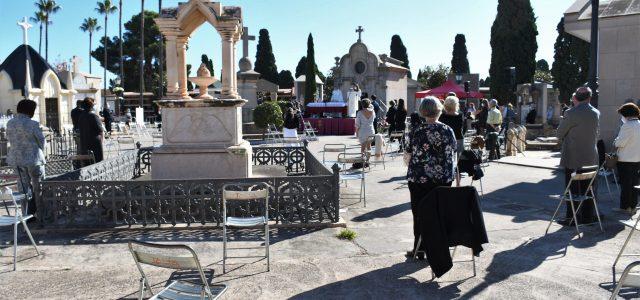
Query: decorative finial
[
  {"x": 359, "y": 31},
  {"x": 25, "y": 27}
]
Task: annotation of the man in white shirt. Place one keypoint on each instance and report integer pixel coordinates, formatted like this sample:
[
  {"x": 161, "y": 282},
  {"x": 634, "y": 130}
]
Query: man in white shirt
[{"x": 628, "y": 147}]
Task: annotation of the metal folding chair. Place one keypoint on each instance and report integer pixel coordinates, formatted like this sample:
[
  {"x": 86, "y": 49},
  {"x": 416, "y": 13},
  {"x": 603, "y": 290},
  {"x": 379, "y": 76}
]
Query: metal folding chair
[
  {"x": 16, "y": 219},
  {"x": 627, "y": 279},
  {"x": 242, "y": 192},
  {"x": 332, "y": 148},
  {"x": 633, "y": 225},
  {"x": 394, "y": 136},
  {"x": 605, "y": 173},
  {"x": 157, "y": 255},
  {"x": 568, "y": 196},
  {"x": 82, "y": 159},
  {"x": 126, "y": 140},
  {"x": 309, "y": 131},
  {"x": 347, "y": 175}
]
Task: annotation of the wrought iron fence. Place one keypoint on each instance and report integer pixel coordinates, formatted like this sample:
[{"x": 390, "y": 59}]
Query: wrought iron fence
[
  {"x": 104, "y": 198},
  {"x": 292, "y": 157}
]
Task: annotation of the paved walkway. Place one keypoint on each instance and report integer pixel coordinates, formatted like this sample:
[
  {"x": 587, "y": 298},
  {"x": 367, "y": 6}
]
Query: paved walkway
[{"x": 519, "y": 263}]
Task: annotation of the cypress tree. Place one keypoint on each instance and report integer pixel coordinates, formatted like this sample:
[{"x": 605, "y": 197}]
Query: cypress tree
[
  {"x": 399, "y": 52},
  {"x": 310, "y": 88},
  {"x": 285, "y": 79},
  {"x": 459, "y": 61},
  {"x": 265, "y": 61},
  {"x": 513, "y": 44},
  {"x": 570, "y": 67},
  {"x": 302, "y": 66}
]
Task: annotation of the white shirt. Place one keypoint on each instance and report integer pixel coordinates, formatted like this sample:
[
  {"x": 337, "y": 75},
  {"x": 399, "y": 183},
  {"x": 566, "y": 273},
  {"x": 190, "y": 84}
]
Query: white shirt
[{"x": 628, "y": 142}]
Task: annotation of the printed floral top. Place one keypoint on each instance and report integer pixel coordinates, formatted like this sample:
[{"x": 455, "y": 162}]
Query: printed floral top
[
  {"x": 432, "y": 148},
  {"x": 26, "y": 141}
]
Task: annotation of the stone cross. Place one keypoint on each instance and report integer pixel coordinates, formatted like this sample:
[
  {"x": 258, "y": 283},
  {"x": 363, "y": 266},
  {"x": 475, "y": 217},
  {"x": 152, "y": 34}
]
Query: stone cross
[
  {"x": 25, "y": 27},
  {"x": 245, "y": 41},
  {"x": 75, "y": 64},
  {"x": 359, "y": 31}
]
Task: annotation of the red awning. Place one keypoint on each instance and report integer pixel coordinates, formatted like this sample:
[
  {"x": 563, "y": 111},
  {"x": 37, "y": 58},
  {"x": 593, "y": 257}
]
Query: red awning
[{"x": 447, "y": 87}]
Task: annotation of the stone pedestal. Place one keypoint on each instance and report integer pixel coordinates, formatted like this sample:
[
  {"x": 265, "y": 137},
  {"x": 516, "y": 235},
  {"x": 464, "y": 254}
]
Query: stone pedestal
[
  {"x": 248, "y": 89},
  {"x": 201, "y": 139}
]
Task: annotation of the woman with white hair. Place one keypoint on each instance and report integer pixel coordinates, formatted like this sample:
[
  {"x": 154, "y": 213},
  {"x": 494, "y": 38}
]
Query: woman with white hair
[
  {"x": 455, "y": 120},
  {"x": 431, "y": 148}
]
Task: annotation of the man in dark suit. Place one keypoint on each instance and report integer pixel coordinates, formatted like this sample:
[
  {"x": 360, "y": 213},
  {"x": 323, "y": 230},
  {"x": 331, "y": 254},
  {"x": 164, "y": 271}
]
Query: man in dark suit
[
  {"x": 75, "y": 115},
  {"x": 578, "y": 132}
]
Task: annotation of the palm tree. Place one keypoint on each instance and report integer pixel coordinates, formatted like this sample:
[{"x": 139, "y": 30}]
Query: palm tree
[
  {"x": 105, "y": 8},
  {"x": 48, "y": 7},
  {"x": 39, "y": 17},
  {"x": 120, "y": 36},
  {"x": 142, "y": 55},
  {"x": 90, "y": 25}
]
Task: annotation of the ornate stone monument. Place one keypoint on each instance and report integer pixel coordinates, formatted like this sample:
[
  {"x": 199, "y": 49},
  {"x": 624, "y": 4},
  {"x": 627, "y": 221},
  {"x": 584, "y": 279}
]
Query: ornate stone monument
[{"x": 202, "y": 138}]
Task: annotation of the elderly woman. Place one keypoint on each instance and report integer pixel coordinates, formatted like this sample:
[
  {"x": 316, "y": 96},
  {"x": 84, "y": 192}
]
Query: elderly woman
[
  {"x": 364, "y": 124},
  {"x": 628, "y": 146},
  {"x": 91, "y": 131},
  {"x": 431, "y": 148},
  {"x": 455, "y": 120}
]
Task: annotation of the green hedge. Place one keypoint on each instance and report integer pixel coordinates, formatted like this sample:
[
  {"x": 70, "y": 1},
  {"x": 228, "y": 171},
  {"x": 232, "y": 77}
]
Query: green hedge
[{"x": 269, "y": 112}]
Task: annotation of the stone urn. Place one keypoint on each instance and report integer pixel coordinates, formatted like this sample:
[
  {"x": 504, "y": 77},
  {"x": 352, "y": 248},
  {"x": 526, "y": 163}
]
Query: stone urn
[{"x": 203, "y": 81}]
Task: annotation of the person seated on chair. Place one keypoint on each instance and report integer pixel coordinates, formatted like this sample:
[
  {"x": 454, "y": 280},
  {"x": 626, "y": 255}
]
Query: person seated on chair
[
  {"x": 431, "y": 148},
  {"x": 26, "y": 153},
  {"x": 628, "y": 147}
]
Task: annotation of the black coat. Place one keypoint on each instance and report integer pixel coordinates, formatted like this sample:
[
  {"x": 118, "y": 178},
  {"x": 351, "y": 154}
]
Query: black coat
[
  {"x": 400, "y": 120},
  {"x": 75, "y": 116},
  {"x": 448, "y": 217},
  {"x": 90, "y": 129}
]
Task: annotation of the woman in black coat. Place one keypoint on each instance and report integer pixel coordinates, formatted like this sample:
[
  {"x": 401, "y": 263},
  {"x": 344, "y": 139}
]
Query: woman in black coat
[{"x": 91, "y": 131}]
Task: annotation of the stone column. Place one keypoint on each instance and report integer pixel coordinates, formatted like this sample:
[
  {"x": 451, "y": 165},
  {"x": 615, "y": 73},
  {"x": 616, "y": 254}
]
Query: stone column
[
  {"x": 182, "y": 67},
  {"x": 234, "y": 79},
  {"x": 171, "y": 62},
  {"x": 229, "y": 88}
]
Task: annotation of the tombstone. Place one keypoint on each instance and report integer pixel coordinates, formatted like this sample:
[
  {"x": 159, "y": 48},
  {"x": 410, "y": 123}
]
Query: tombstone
[
  {"x": 247, "y": 78},
  {"x": 202, "y": 138}
]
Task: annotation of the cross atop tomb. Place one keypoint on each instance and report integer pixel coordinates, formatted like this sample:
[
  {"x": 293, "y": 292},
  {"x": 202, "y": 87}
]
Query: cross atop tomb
[
  {"x": 25, "y": 27},
  {"x": 245, "y": 41},
  {"x": 359, "y": 31}
]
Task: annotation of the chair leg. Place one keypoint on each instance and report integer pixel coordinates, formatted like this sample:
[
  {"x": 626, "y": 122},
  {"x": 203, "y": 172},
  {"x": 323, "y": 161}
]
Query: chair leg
[
  {"x": 597, "y": 213},
  {"x": 473, "y": 260},
  {"x": 622, "y": 249},
  {"x": 224, "y": 249},
  {"x": 266, "y": 233},
  {"x": 606, "y": 181},
  {"x": 26, "y": 228},
  {"x": 615, "y": 179},
  {"x": 363, "y": 191},
  {"x": 553, "y": 217},
  {"x": 575, "y": 217},
  {"x": 15, "y": 245}
]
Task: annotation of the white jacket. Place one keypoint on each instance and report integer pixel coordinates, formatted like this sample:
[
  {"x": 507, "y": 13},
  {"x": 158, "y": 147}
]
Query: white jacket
[{"x": 628, "y": 142}]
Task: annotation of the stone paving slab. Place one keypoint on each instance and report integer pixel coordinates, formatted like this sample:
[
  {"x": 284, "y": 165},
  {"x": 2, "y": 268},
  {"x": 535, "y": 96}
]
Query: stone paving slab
[{"x": 520, "y": 262}]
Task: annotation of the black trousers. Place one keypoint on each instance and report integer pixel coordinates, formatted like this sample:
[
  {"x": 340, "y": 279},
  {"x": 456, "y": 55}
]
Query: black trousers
[
  {"x": 587, "y": 213},
  {"x": 628, "y": 172},
  {"x": 418, "y": 192}
]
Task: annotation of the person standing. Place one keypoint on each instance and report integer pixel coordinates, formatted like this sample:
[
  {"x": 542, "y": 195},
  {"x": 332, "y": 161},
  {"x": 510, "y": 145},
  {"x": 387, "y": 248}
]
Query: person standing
[
  {"x": 291, "y": 124},
  {"x": 431, "y": 148},
  {"x": 108, "y": 118},
  {"x": 628, "y": 148},
  {"x": 509, "y": 116},
  {"x": 26, "y": 152},
  {"x": 400, "y": 122},
  {"x": 75, "y": 115},
  {"x": 454, "y": 120},
  {"x": 578, "y": 132},
  {"x": 91, "y": 131},
  {"x": 481, "y": 117},
  {"x": 391, "y": 116},
  {"x": 365, "y": 125},
  {"x": 376, "y": 110},
  {"x": 494, "y": 117}
]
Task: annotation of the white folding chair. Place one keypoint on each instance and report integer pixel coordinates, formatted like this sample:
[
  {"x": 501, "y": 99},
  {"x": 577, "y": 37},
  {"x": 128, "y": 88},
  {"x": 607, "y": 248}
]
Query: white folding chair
[
  {"x": 605, "y": 173},
  {"x": 332, "y": 148},
  {"x": 244, "y": 193},
  {"x": 633, "y": 225},
  {"x": 347, "y": 175},
  {"x": 309, "y": 131},
  {"x": 628, "y": 279},
  {"x": 568, "y": 196},
  {"x": 158, "y": 255},
  {"x": 125, "y": 141},
  {"x": 16, "y": 219}
]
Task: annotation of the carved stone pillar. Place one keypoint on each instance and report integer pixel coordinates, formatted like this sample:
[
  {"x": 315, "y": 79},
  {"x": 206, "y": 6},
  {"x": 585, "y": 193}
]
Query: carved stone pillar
[
  {"x": 171, "y": 62},
  {"x": 229, "y": 86},
  {"x": 182, "y": 67}
]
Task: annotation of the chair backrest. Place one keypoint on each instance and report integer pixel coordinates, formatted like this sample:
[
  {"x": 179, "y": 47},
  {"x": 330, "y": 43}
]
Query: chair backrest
[
  {"x": 143, "y": 253},
  {"x": 397, "y": 134},
  {"x": 126, "y": 140},
  {"x": 590, "y": 176},
  {"x": 335, "y": 148},
  {"x": 7, "y": 194},
  {"x": 245, "y": 192}
]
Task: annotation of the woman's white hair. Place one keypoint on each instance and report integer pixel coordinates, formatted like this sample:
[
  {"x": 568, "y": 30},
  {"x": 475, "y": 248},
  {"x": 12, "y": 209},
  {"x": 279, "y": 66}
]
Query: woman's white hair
[
  {"x": 430, "y": 107},
  {"x": 452, "y": 104}
]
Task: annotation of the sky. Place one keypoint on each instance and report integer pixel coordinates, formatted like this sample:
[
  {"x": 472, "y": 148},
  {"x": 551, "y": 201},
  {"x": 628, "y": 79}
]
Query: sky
[{"x": 427, "y": 28}]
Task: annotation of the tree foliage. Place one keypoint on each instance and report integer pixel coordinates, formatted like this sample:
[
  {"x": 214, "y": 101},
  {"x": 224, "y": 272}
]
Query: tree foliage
[
  {"x": 459, "y": 61},
  {"x": 571, "y": 63},
  {"x": 433, "y": 77},
  {"x": 302, "y": 67},
  {"x": 131, "y": 52},
  {"x": 513, "y": 44},
  {"x": 399, "y": 52},
  {"x": 310, "y": 88},
  {"x": 265, "y": 61},
  {"x": 207, "y": 62},
  {"x": 268, "y": 112},
  {"x": 285, "y": 79},
  {"x": 542, "y": 65}
]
